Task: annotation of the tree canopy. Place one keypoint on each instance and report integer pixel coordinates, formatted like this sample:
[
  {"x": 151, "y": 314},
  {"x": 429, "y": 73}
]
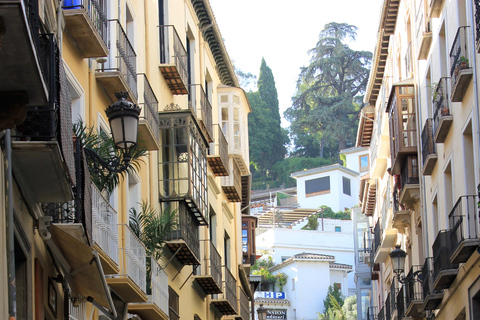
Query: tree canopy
[{"x": 329, "y": 90}]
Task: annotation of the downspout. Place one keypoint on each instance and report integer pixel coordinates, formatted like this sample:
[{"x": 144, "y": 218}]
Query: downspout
[
  {"x": 474, "y": 60},
  {"x": 10, "y": 235}
]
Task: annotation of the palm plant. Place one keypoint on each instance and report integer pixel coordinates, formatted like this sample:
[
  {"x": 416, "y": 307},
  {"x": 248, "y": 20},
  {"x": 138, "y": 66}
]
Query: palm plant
[
  {"x": 152, "y": 228},
  {"x": 102, "y": 144}
]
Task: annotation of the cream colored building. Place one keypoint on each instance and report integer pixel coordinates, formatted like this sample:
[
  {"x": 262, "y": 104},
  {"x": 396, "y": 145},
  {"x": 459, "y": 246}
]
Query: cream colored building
[
  {"x": 422, "y": 127},
  {"x": 72, "y": 250}
]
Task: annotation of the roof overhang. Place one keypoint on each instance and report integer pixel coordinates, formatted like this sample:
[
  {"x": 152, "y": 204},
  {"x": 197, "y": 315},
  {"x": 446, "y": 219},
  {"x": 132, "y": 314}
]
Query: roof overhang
[{"x": 365, "y": 126}]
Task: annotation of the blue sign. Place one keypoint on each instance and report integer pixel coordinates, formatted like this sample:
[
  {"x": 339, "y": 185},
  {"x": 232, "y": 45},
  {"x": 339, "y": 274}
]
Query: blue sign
[{"x": 270, "y": 294}]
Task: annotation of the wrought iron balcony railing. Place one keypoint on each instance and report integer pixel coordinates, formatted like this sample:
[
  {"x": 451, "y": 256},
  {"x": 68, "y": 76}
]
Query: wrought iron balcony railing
[
  {"x": 444, "y": 272},
  {"x": 149, "y": 114},
  {"x": 429, "y": 147},
  {"x": 133, "y": 255},
  {"x": 105, "y": 225},
  {"x": 218, "y": 152},
  {"x": 381, "y": 314},
  {"x": 229, "y": 291},
  {"x": 413, "y": 290},
  {"x": 431, "y": 297},
  {"x": 464, "y": 229},
  {"x": 158, "y": 293},
  {"x": 244, "y": 306},
  {"x": 199, "y": 103},
  {"x": 400, "y": 300},
  {"x": 372, "y": 313},
  {"x": 173, "y": 59},
  {"x": 459, "y": 54},
  {"x": 377, "y": 235}
]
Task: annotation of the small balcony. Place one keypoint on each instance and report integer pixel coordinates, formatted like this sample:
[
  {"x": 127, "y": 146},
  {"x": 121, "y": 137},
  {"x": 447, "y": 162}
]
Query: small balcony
[
  {"x": 105, "y": 232},
  {"x": 435, "y": 8},
  {"x": 86, "y": 22},
  {"x": 232, "y": 184},
  {"x": 413, "y": 295},
  {"x": 43, "y": 140},
  {"x": 442, "y": 116},
  {"x": 25, "y": 60},
  {"x": 401, "y": 216},
  {"x": 408, "y": 61},
  {"x": 226, "y": 302},
  {"x": 432, "y": 298},
  {"x": 131, "y": 282},
  {"x": 173, "y": 60},
  {"x": 444, "y": 272},
  {"x": 460, "y": 69},
  {"x": 199, "y": 103},
  {"x": 184, "y": 242},
  {"x": 118, "y": 72},
  {"x": 218, "y": 153},
  {"x": 210, "y": 277},
  {"x": 464, "y": 236},
  {"x": 156, "y": 307},
  {"x": 243, "y": 305},
  {"x": 381, "y": 314},
  {"x": 400, "y": 303},
  {"x": 403, "y": 127},
  {"x": 183, "y": 162},
  {"x": 372, "y": 313},
  {"x": 384, "y": 240},
  {"x": 391, "y": 303},
  {"x": 410, "y": 192},
  {"x": 148, "y": 125},
  {"x": 423, "y": 31},
  {"x": 429, "y": 148}
]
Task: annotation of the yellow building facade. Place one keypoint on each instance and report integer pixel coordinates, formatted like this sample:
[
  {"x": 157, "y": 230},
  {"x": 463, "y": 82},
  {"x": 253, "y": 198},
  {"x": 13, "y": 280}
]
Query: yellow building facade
[
  {"x": 70, "y": 249},
  {"x": 421, "y": 195}
]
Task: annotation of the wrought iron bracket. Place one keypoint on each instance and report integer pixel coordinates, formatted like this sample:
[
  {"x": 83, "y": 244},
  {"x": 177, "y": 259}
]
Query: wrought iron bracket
[
  {"x": 417, "y": 276},
  {"x": 113, "y": 164}
]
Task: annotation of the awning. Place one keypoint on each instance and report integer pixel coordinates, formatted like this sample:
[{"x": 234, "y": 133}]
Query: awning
[{"x": 80, "y": 262}]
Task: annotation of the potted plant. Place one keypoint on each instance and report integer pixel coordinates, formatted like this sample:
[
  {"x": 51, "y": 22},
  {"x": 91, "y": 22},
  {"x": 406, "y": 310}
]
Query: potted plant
[{"x": 464, "y": 63}]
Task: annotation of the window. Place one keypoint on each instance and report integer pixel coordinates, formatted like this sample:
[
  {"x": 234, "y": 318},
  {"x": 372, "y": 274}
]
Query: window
[
  {"x": 346, "y": 186},
  {"x": 226, "y": 250},
  {"x": 338, "y": 229},
  {"x": 245, "y": 240},
  {"x": 317, "y": 187},
  {"x": 173, "y": 304},
  {"x": 338, "y": 285},
  {"x": 364, "y": 165}
]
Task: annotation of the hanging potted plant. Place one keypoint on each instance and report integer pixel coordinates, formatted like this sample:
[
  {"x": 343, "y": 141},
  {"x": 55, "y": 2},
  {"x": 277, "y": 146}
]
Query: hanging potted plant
[{"x": 464, "y": 63}]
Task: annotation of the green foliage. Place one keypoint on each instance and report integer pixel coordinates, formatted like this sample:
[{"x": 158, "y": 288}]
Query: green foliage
[
  {"x": 268, "y": 277},
  {"x": 104, "y": 146},
  {"x": 152, "y": 228},
  {"x": 334, "y": 312},
  {"x": 329, "y": 89},
  {"x": 281, "y": 279},
  {"x": 312, "y": 223},
  {"x": 334, "y": 299},
  {"x": 246, "y": 79},
  {"x": 267, "y": 139},
  {"x": 350, "y": 308}
]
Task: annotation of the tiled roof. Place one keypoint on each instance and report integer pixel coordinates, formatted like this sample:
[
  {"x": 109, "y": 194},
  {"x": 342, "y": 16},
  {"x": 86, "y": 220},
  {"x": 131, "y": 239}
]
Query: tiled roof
[
  {"x": 340, "y": 266},
  {"x": 305, "y": 255},
  {"x": 272, "y": 301},
  {"x": 322, "y": 169}
]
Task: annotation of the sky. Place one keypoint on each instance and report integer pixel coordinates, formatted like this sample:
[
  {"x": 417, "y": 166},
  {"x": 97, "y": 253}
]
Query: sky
[{"x": 283, "y": 31}]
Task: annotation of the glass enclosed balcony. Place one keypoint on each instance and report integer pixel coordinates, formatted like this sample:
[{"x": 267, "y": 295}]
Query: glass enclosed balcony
[
  {"x": 183, "y": 162},
  {"x": 403, "y": 128},
  {"x": 86, "y": 22}
]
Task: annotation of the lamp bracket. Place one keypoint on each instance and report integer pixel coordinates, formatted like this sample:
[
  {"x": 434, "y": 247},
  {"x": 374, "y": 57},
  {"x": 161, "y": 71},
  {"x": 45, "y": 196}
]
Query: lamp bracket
[
  {"x": 417, "y": 276},
  {"x": 112, "y": 164}
]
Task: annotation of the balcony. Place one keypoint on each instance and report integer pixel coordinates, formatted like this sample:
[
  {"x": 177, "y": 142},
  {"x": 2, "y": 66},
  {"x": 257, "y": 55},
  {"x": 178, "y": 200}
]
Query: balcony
[
  {"x": 183, "y": 162},
  {"x": 131, "y": 282},
  {"x": 218, "y": 153},
  {"x": 460, "y": 70},
  {"x": 403, "y": 127},
  {"x": 243, "y": 305},
  {"x": 118, "y": 72},
  {"x": 444, "y": 272},
  {"x": 413, "y": 295},
  {"x": 44, "y": 140},
  {"x": 184, "y": 241},
  {"x": 210, "y": 278},
  {"x": 442, "y": 116},
  {"x": 148, "y": 125},
  {"x": 435, "y": 8},
  {"x": 401, "y": 217},
  {"x": 25, "y": 62},
  {"x": 86, "y": 22},
  {"x": 410, "y": 192},
  {"x": 232, "y": 184},
  {"x": 464, "y": 236},
  {"x": 400, "y": 303},
  {"x": 477, "y": 24},
  {"x": 408, "y": 61},
  {"x": 199, "y": 103},
  {"x": 432, "y": 297},
  {"x": 173, "y": 60},
  {"x": 372, "y": 313},
  {"x": 423, "y": 31},
  {"x": 391, "y": 303},
  {"x": 226, "y": 302},
  {"x": 105, "y": 232},
  {"x": 429, "y": 148},
  {"x": 156, "y": 306},
  {"x": 381, "y": 314},
  {"x": 384, "y": 240},
  {"x": 368, "y": 194}
]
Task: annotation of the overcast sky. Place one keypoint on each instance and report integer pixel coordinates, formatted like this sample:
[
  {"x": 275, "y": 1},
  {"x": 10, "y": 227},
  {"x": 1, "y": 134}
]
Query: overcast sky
[{"x": 283, "y": 31}]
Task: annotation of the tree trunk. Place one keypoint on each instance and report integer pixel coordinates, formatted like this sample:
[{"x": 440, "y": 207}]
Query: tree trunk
[{"x": 322, "y": 145}]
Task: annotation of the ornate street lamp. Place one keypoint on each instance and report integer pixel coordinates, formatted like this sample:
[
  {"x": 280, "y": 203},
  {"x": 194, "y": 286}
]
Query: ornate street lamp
[
  {"x": 398, "y": 264},
  {"x": 262, "y": 313},
  {"x": 123, "y": 118}
]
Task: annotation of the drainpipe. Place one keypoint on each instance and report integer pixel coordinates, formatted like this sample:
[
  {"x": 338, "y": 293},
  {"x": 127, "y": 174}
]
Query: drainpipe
[
  {"x": 470, "y": 11},
  {"x": 10, "y": 235}
]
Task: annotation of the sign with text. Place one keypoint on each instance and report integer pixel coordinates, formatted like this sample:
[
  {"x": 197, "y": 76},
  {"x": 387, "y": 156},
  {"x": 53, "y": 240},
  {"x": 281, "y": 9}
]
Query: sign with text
[
  {"x": 270, "y": 294},
  {"x": 276, "y": 314}
]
